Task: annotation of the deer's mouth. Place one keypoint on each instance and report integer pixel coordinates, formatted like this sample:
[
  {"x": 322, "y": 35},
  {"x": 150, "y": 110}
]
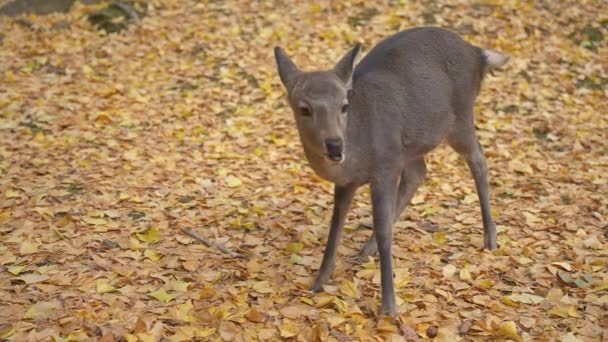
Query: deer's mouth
[{"x": 336, "y": 157}]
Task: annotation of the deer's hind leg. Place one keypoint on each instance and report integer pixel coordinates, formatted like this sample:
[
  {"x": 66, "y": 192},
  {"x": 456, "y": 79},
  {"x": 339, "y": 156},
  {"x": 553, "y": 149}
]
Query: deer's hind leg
[{"x": 464, "y": 140}]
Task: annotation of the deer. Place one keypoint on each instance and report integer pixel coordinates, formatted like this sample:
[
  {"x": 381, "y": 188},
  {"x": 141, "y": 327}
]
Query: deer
[{"x": 373, "y": 123}]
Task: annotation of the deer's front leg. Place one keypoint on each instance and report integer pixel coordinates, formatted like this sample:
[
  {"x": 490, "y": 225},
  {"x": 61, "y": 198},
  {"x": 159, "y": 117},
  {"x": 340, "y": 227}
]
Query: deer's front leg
[
  {"x": 384, "y": 193},
  {"x": 343, "y": 197}
]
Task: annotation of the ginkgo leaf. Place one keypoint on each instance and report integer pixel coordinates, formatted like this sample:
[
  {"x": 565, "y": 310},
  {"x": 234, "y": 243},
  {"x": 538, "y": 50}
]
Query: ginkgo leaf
[
  {"x": 509, "y": 329},
  {"x": 527, "y": 298},
  {"x": 465, "y": 274},
  {"x": 152, "y": 255},
  {"x": 151, "y": 235},
  {"x": 6, "y": 330},
  {"x": 350, "y": 290},
  {"x": 42, "y": 310},
  {"x": 15, "y": 270},
  {"x": 104, "y": 287},
  {"x": 448, "y": 270},
  {"x": 288, "y": 329},
  {"x": 295, "y": 247},
  {"x": 181, "y": 286},
  {"x": 28, "y": 247},
  {"x": 12, "y": 194},
  {"x": 255, "y": 316},
  {"x": 94, "y": 220},
  {"x": 233, "y": 181},
  {"x": 162, "y": 296}
]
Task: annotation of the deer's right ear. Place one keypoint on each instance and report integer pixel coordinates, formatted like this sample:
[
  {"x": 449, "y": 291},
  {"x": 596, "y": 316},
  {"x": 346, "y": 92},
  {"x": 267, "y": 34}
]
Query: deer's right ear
[{"x": 287, "y": 69}]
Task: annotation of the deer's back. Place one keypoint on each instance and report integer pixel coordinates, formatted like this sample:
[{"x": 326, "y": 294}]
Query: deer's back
[{"x": 414, "y": 84}]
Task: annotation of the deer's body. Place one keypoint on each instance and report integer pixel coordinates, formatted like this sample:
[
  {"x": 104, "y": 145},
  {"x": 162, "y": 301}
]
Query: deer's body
[{"x": 412, "y": 91}]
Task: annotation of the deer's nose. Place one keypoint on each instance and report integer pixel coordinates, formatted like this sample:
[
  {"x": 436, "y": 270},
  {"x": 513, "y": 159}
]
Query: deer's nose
[{"x": 334, "y": 148}]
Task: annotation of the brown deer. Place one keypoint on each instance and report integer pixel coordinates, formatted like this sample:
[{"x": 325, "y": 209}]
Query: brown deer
[{"x": 375, "y": 124}]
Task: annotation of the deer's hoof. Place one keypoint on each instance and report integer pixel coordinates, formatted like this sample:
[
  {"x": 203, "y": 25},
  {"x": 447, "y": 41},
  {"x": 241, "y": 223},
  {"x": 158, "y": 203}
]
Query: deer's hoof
[
  {"x": 389, "y": 310},
  {"x": 317, "y": 285}
]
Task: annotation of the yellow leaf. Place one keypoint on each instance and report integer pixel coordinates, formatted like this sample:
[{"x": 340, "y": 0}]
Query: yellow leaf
[
  {"x": 349, "y": 289},
  {"x": 288, "y": 329},
  {"x": 439, "y": 238},
  {"x": 130, "y": 338},
  {"x": 123, "y": 271},
  {"x": 563, "y": 265},
  {"x": 555, "y": 295},
  {"x": 135, "y": 245},
  {"x": 162, "y": 296},
  {"x": 183, "y": 311},
  {"x": 78, "y": 335},
  {"x": 254, "y": 315},
  {"x": 206, "y": 292},
  {"x": 34, "y": 278},
  {"x": 205, "y": 332},
  {"x": 233, "y": 181},
  {"x": 263, "y": 287},
  {"x": 335, "y": 320},
  {"x": 152, "y": 255},
  {"x": 181, "y": 286},
  {"x": 509, "y": 329},
  {"x": 103, "y": 287},
  {"x": 6, "y": 331},
  {"x": 386, "y": 325},
  {"x": 448, "y": 270},
  {"x": 15, "y": 270},
  {"x": 508, "y": 301},
  {"x": 28, "y": 247},
  {"x": 465, "y": 274},
  {"x": 527, "y": 298},
  {"x": 600, "y": 285},
  {"x": 38, "y": 162},
  {"x": 295, "y": 247},
  {"x": 485, "y": 283},
  {"x": 323, "y": 299},
  {"x": 42, "y": 310},
  {"x": 12, "y": 194},
  {"x": 402, "y": 277},
  {"x": 94, "y": 220},
  {"x": 151, "y": 235},
  {"x": 572, "y": 311},
  {"x": 183, "y": 333},
  {"x": 130, "y": 155},
  {"x": 570, "y": 337}
]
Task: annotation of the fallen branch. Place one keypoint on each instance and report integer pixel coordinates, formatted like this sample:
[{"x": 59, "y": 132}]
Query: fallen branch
[{"x": 210, "y": 243}]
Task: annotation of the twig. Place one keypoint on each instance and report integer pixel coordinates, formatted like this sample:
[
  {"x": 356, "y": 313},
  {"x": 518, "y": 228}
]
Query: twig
[{"x": 209, "y": 243}]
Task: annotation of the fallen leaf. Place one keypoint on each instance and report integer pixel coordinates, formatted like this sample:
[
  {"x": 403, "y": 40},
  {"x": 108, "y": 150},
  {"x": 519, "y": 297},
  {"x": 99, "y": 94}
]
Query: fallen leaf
[
  {"x": 162, "y": 296},
  {"x": 151, "y": 235},
  {"x": 448, "y": 270},
  {"x": 233, "y": 181},
  {"x": 509, "y": 329}
]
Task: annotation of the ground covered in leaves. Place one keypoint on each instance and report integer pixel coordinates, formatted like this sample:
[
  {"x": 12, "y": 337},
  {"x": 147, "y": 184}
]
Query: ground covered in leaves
[{"x": 110, "y": 144}]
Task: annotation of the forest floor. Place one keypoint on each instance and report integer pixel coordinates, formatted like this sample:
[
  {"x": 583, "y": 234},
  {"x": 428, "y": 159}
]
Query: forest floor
[{"x": 111, "y": 143}]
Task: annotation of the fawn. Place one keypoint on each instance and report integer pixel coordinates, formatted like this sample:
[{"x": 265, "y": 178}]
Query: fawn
[{"x": 374, "y": 123}]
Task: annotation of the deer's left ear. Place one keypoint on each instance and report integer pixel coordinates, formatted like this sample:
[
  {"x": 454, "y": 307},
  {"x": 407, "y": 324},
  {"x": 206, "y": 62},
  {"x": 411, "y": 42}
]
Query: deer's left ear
[{"x": 344, "y": 68}]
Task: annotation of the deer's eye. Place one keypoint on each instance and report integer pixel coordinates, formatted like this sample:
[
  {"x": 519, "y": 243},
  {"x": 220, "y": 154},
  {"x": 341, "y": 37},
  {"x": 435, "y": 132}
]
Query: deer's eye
[
  {"x": 345, "y": 109},
  {"x": 305, "y": 112}
]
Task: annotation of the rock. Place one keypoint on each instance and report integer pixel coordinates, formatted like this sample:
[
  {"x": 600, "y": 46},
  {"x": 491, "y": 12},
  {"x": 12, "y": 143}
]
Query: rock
[
  {"x": 115, "y": 17},
  {"x": 39, "y": 7}
]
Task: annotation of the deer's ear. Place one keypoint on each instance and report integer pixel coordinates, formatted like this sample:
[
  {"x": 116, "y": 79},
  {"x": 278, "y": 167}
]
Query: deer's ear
[
  {"x": 344, "y": 68},
  {"x": 287, "y": 69}
]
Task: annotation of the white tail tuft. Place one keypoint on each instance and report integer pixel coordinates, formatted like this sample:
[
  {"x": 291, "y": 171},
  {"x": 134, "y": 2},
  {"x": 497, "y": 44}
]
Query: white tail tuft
[{"x": 495, "y": 59}]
